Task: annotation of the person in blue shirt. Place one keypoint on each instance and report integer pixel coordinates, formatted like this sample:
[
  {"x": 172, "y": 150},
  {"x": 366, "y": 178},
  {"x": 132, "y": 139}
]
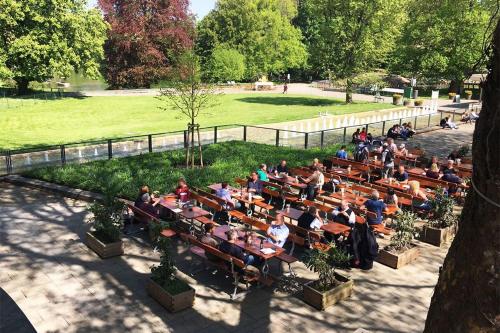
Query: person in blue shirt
[
  {"x": 375, "y": 205},
  {"x": 225, "y": 194},
  {"x": 341, "y": 153},
  {"x": 278, "y": 231},
  {"x": 401, "y": 175}
]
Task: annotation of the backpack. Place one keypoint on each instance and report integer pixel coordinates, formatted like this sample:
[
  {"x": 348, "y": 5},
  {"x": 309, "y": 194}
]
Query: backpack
[
  {"x": 361, "y": 154},
  {"x": 389, "y": 157}
]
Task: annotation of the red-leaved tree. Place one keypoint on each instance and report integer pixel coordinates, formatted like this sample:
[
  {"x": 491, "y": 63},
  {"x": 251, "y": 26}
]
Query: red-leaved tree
[{"x": 144, "y": 40}]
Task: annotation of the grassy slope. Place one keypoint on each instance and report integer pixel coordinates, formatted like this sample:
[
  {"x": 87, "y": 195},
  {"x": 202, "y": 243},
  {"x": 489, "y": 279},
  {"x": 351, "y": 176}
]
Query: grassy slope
[
  {"x": 72, "y": 119},
  {"x": 158, "y": 170}
]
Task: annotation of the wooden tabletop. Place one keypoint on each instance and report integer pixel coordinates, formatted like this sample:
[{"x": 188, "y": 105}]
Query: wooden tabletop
[
  {"x": 287, "y": 180},
  {"x": 344, "y": 172},
  {"x": 416, "y": 171},
  {"x": 291, "y": 213},
  {"x": 218, "y": 186},
  {"x": 349, "y": 197},
  {"x": 394, "y": 184},
  {"x": 254, "y": 248},
  {"x": 335, "y": 228},
  {"x": 188, "y": 213},
  {"x": 391, "y": 210}
]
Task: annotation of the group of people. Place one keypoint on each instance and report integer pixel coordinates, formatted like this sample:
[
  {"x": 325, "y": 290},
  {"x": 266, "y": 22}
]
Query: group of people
[
  {"x": 360, "y": 135},
  {"x": 468, "y": 116},
  {"x": 403, "y": 131}
]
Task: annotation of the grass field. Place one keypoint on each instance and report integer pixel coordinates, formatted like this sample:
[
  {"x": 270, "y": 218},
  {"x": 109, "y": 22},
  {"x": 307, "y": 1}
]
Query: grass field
[
  {"x": 66, "y": 120},
  {"x": 160, "y": 171}
]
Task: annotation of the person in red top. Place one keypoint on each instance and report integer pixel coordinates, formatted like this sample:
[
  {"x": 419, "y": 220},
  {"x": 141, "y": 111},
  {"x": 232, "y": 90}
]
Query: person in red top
[
  {"x": 362, "y": 135},
  {"x": 182, "y": 191}
]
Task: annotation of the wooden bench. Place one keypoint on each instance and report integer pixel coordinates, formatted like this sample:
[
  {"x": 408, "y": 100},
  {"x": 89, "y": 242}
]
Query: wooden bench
[
  {"x": 234, "y": 266},
  {"x": 144, "y": 217}
]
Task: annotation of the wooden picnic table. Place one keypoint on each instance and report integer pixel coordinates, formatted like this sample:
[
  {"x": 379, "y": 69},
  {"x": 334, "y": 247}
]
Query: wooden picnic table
[
  {"x": 291, "y": 213},
  {"x": 288, "y": 180},
  {"x": 343, "y": 172},
  {"x": 394, "y": 184},
  {"x": 189, "y": 213},
  {"x": 416, "y": 171},
  {"x": 349, "y": 197},
  {"x": 238, "y": 194},
  {"x": 335, "y": 228}
]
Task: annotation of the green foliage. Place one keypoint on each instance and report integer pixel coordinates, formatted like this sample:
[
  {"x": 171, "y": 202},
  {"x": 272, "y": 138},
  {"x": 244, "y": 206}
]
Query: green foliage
[
  {"x": 225, "y": 64},
  {"x": 419, "y": 102},
  {"x": 404, "y": 227},
  {"x": 260, "y": 30},
  {"x": 442, "y": 210},
  {"x": 106, "y": 216},
  {"x": 463, "y": 150},
  {"x": 324, "y": 262},
  {"x": 160, "y": 171},
  {"x": 47, "y": 38},
  {"x": 444, "y": 39}
]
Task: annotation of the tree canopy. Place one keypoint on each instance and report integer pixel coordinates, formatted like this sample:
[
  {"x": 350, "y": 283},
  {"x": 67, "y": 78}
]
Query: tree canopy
[
  {"x": 261, "y": 30},
  {"x": 445, "y": 39},
  {"x": 346, "y": 38},
  {"x": 225, "y": 64},
  {"x": 145, "y": 40},
  {"x": 47, "y": 38}
]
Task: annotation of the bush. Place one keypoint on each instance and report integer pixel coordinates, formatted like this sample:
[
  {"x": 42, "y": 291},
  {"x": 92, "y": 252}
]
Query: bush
[
  {"x": 324, "y": 262},
  {"x": 451, "y": 95},
  {"x": 397, "y": 96},
  {"x": 468, "y": 94},
  {"x": 442, "y": 210},
  {"x": 419, "y": 102},
  {"x": 404, "y": 227},
  {"x": 225, "y": 64}
]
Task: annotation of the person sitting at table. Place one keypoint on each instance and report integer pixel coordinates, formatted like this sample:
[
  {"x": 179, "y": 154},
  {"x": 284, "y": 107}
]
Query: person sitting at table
[
  {"x": 369, "y": 139},
  {"x": 401, "y": 175},
  {"x": 282, "y": 168},
  {"x": 316, "y": 164},
  {"x": 182, "y": 190},
  {"x": 262, "y": 172},
  {"x": 433, "y": 172},
  {"x": 453, "y": 155},
  {"x": 277, "y": 232},
  {"x": 434, "y": 160},
  {"x": 449, "y": 168},
  {"x": 465, "y": 118},
  {"x": 310, "y": 219},
  {"x": 375, "y": 205},
  {"x": 138, "y": 201},
  {"x": 417, "y": 193},
  {"x": 392, "y": 133},
  {"x": 224, "y": 193},
  {"x": 148, "y": 206},
  {"x": 355, "y": 136},
  {"x": 313, "y": 182},
  {"x": 254, "y": 185},
  {"x": 391, "y": 198},
  {"x": 229, "y": 246},
  {"x": 402, "y": 150},
  {"x": 344, "y": 214},
  {"x": 208, "y": 239},
  {"x": 341, "y": 153},
  {"x": 362, "y": 135}
]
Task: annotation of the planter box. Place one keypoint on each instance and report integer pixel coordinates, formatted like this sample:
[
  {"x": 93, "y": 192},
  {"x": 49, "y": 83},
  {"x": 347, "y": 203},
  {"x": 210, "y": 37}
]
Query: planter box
[
  {"x": 104, "y": 250},
  {"x": 437, "y": 237},
  {"x": 172, "y": 303},
  {"x": 397, "y": 260},
  {"x": 322, "y": 300}
]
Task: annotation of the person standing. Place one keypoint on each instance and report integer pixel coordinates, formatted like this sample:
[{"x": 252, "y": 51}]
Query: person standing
[
  {"x": 285, "y": 88},
  {"x": 388, "y": 160}
]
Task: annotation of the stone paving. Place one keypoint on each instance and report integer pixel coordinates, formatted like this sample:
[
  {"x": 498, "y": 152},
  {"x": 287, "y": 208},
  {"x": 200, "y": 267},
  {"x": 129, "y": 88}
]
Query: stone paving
[{"x": 62, "y": 286}]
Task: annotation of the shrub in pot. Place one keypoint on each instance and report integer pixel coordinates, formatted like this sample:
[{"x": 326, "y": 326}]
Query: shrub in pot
[
  {"x": 419, "y": 102},
  {"x": 164, "y": 286},
  {"x": 396, "y": 99},
  {"x": 331, "y": 287},
  {"x": 407, "y": 102},
  {"x": 468, "y": 94},
  {"x": 401, "y": 250},
  {"x": 107, "y": 221},
  {"x": 451, "y": 95},
  {"x": 442, "y": 222}
]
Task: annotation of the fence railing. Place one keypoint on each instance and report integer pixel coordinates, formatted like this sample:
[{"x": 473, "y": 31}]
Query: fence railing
[{"x": 20, "y": 160}]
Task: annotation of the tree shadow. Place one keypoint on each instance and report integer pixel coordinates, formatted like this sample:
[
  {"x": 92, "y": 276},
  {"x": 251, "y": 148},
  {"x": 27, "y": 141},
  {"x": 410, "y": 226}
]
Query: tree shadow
[{"x": 288, "y": 100}]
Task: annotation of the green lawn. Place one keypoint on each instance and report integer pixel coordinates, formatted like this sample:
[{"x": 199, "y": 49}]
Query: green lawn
[
  {"x": 76, "y": 119},
  {"x": 160, "y": 171}
]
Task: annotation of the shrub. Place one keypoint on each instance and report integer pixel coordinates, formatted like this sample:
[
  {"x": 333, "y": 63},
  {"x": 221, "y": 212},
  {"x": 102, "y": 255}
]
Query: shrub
[
  {"x": 397, "y": 96},
  {"x": 463, "y": 150},
  {"x": 442, "y": 210},
  {"x": 419, "y": 102},
  {"x": 325, "y": 262},
  {"x": 451, "y": 95},
  {"x": 404, "y": 227},
  {"x": 468, "y": 94}
]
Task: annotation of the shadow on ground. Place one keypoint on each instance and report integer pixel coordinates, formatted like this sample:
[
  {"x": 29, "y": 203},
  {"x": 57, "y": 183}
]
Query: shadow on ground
[{"x": 286, "y": 100}]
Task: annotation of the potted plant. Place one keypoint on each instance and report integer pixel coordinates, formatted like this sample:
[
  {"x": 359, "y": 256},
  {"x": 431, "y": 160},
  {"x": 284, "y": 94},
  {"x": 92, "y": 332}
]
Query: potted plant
[
  {"x": 331, "y": 287},
  {"x": 468, "y": 94},
  {"x": 401, "y": 250},
  {"x": 107, "y": 220},
  {"x": 419, "y": 102},
  {"x": 451, "y": 95},
  {"x": 164, "y": 286},
  {"x": 396, "y": 99},
  {"x": 408, "y": 102},
  {"x": 463, "y": 151},
  {"x": 442, "y": 222}
]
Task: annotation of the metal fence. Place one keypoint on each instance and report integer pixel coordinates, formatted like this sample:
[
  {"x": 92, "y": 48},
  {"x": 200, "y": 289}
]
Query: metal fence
[{"x": 19, "y": 160}]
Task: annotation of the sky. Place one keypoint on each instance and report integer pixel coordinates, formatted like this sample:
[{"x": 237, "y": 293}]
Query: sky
[{"x": 198, "y": 7}]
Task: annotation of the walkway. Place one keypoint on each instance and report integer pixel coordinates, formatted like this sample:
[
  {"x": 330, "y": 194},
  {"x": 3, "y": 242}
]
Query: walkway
[{"x": 61, "y": 286}]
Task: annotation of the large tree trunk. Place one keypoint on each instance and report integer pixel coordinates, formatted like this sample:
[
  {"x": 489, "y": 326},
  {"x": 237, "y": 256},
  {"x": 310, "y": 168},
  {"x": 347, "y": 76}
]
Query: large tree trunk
[
  {"x": 22, "y": 86},
  {"x": 348, "y": 91},
  {"x": 467, "y": 295}
]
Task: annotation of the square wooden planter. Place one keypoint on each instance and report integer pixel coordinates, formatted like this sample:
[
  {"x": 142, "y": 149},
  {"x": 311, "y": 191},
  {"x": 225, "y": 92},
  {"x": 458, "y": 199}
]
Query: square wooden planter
[
  {"x": 397, "y": 260},
  {"x": 104, "y": 250},
  {"x": 437, "y": 237},
  {"x": 172, "y": 303},
  {"x": 322, "y": 300}
]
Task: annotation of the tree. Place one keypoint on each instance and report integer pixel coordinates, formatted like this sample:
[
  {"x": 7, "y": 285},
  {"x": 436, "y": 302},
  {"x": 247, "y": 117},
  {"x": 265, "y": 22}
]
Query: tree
[
  {"x": 46, "y": 38},
  {"x": 346, "y": 38},
  {"x": 466, "y": 296},
  {"x": 260, "y": 30},
  {"x": 445, "y": 40},
  {"x": 188, "y": 95},
  {"x": 145, "y": 40},
  {"x": 225, "y": 64}
]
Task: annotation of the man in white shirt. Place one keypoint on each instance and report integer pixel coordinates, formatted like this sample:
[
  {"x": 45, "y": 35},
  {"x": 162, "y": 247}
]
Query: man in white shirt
[
  {"x": 278, "y": 232},
  {"x": 344, "y": 214}
]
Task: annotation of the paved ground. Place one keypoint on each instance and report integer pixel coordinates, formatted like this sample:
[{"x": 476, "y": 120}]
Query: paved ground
[{"x": 48, "y": 275}]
